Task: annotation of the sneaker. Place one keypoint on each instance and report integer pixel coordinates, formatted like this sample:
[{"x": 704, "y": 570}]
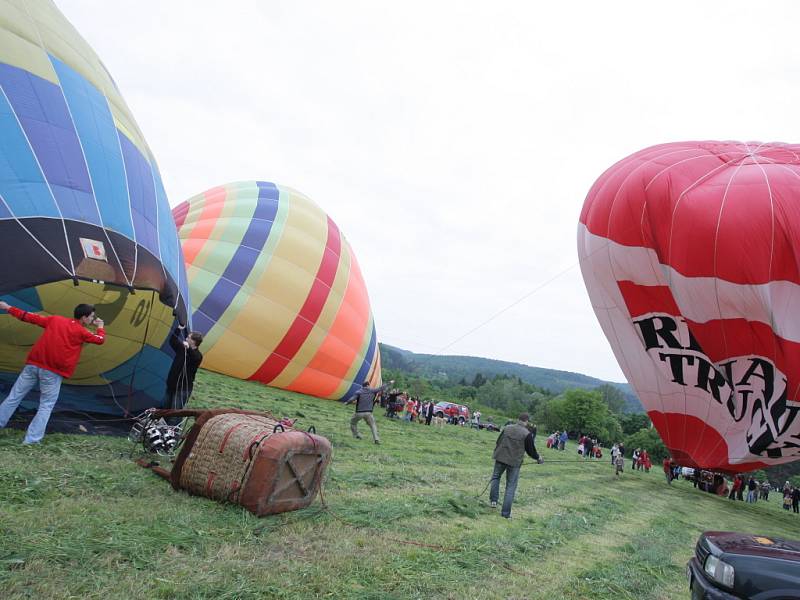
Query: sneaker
[
  {"x": 378, "y": 442},
  {"x": 493, "y": 504},
  {"x": 358, "y": 437},
  {"x": 506, "y": 517}
]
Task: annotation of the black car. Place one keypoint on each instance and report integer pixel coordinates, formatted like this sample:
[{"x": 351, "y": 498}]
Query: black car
[
  {"x": 734, "y": 566},
  {"x": 488, "y": 426}
]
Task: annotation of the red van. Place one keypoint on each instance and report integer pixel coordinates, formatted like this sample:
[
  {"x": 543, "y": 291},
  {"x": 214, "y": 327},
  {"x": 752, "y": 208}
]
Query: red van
[{"x": 440, "y": 410}]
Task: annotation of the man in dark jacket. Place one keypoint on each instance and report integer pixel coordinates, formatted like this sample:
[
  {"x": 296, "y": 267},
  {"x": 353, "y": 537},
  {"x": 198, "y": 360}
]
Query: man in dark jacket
[
  {"x": 429, "y": 412},
  {"x": 514, "y": 441},
  {"x": 365, "y": 400},
  {"x": 588, "y": 448},
  {"x": 180, "y": 379}
]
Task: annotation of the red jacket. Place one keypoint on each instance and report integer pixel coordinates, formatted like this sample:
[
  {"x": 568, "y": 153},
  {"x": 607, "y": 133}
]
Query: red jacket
[{"x": 59, "y": 348}]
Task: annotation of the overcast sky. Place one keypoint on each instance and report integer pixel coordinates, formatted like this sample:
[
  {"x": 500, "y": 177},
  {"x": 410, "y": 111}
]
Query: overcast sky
[{"x": 452, "y": 142}]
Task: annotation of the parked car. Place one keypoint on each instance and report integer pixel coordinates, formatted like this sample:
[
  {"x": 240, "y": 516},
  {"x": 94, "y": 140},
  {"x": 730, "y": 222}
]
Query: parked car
[
  {"x": 731, "y": 566},
  {"x": 488, "y": 426},
  {"x": 439, "y": 410}
]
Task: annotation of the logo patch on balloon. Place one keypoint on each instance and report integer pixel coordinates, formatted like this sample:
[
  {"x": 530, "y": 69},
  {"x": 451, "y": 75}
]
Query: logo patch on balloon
[
  {"x": 750, "y": 388},
  {"x": 93, "y": 249}
]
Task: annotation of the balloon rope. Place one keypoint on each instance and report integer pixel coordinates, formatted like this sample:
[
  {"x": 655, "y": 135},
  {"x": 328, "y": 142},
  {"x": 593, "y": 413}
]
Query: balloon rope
[{"x": 525, "y": 296}]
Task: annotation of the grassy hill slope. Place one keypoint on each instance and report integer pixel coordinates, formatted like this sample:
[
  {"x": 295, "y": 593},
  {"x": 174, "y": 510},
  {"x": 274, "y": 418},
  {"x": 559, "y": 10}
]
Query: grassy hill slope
[
  {"x": 79, "y": 520},
  {"x": 457, "y": 367}
]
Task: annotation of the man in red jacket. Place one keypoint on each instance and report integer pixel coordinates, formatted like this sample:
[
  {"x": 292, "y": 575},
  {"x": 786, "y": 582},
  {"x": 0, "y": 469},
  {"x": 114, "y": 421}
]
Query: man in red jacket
[{"x": 53, "y": 357}]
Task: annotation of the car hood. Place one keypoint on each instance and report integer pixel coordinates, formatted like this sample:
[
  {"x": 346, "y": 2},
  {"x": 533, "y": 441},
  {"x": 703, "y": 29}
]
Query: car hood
[{"x": 754, "y": 545}]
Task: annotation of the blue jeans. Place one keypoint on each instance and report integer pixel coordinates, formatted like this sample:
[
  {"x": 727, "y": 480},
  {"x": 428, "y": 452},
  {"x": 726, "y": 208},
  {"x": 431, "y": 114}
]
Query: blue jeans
[
  {"x": 512, "y": 477},
  {"x": 49, "y": 387}
]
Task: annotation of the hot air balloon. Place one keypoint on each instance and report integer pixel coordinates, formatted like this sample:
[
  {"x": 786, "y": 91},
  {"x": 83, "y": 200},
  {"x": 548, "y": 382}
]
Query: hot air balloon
[
  {"x": 276, "y": 290},
  {"x": 689, "y": 252},
  {"x": 83, "y": 215}
]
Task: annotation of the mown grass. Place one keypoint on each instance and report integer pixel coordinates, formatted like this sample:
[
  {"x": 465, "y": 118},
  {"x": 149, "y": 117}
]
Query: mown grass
[{"x": 78, "y": 519}]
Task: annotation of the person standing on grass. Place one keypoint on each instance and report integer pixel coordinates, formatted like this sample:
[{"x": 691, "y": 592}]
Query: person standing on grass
[
  {"x": 765, "y": 489},
  {"x": 796, "y": 500},
  {"x": 752, "y": 487},
  {"x": 452, "y": 414},
  {"x": 668, "y": 470},
  {"x": 742, "y": 487},
  {"x": 787, "y": 497},
  {"x": 644, "y": 461},
  {"x": 619, "y": 464},
  {"x": 429, "y": 412},
  {"x": 562, "y": 440},
  {"x": 365, "y": 400},
  {"x": 54, "y": 356},
  {"x": 513, "y": 443},
  {"x": 180, "y": 379}
]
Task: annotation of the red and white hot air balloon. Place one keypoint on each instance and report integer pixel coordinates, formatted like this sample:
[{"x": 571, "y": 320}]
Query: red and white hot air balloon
[{"x": 690, "y": 252}]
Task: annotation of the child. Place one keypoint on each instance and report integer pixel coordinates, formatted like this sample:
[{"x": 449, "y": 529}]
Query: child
[{"x": 618, "y": 464}]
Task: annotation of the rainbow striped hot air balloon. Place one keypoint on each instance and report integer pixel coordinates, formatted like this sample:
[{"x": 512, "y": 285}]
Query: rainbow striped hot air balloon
[
  {"x": 83, "y": 215},
  {"x": 277, "y": 290}
]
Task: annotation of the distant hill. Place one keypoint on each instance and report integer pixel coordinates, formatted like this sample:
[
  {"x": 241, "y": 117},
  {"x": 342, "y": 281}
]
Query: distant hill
[{"x": 455, "y": 368}]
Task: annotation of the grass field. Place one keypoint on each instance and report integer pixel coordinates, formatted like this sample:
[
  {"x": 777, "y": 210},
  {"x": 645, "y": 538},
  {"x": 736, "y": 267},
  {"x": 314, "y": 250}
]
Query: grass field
[{"x": 78, "y": 519}]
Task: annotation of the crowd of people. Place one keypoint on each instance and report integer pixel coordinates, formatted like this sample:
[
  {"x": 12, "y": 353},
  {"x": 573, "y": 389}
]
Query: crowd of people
[
  {"x": 402, "y": 405},
  {"x": 589, "y": 448},
  {"x": 557, "y": 440},
  {"x": 750, "y": 490},
  {"x": 742, "y": 487}
]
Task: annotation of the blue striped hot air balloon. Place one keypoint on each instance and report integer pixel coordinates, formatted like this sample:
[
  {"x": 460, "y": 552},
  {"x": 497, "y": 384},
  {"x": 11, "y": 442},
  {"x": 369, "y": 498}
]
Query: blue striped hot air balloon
[{"x": 83, "y": 215}]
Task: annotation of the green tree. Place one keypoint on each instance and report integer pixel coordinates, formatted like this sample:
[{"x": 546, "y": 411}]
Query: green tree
[
  {"x": 647, "y": 439},
  {"x": 465, "y": 392},
  {"x": 634, "y": 422},
  {"x": 613, "y": 397},
  {"x": 580, "y": 411},
  {"x": 479, "y": 380}
]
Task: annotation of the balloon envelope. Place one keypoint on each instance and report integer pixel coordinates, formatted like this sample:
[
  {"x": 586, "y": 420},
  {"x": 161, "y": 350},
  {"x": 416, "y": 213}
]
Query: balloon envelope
[
  {"x": 689, "y": 252},
  {"x": 276, "y": 290},
  {"x": 83, "y": 214}
]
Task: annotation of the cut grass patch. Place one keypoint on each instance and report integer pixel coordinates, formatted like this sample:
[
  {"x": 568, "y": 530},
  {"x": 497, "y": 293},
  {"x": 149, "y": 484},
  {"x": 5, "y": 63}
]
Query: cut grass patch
[{"x": 78, "y": 519}]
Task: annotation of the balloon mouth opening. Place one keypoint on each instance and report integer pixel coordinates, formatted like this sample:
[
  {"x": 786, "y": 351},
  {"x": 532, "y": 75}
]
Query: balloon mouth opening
[{"x": 682, "y": 458}]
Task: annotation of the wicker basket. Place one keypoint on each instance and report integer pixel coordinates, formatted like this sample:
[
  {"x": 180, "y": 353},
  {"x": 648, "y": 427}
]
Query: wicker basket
[{"x": 249, "y": 459}]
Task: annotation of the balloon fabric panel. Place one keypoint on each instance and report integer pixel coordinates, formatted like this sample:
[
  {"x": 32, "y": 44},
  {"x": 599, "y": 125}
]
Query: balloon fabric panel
[
  {"x": 688, "y": 251},
  {"x": 100, "y": 147},
  {"x": 342, "y": 344},
  {"x": 306, "y": 359},
  {"x": 272, "y": 280},
  {"x": 301, "y": 326}
]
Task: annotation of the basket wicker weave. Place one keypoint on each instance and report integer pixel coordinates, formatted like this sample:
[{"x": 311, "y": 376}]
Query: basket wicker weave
[
  {"x": 250, "y": 459},
  {"x": 218, "y": 466}
]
